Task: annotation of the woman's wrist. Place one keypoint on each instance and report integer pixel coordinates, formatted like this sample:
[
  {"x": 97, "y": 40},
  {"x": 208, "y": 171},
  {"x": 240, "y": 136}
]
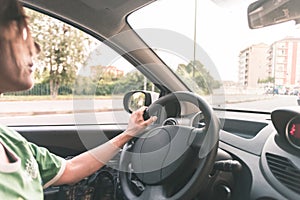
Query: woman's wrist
[{"x": 122, "y": 139}]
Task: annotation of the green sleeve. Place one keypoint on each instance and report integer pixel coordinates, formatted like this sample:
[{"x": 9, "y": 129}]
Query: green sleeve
[{"x": 50, "y": 165}]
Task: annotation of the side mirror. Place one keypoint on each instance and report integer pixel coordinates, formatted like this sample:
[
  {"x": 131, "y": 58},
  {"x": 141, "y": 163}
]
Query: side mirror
[
  {"x": 136, "y": 99},
  {"x": 263, "y": 13}
]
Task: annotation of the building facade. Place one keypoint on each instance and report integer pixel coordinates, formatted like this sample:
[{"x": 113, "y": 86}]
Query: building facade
[
  {"x": 253, "y": 65},
  {"x": 284, "y": 61},
  {"x": 277, "y": 64}
]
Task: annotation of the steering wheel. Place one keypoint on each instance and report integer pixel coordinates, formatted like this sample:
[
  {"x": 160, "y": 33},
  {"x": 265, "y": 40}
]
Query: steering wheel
[{"x": 170, "y": 162}]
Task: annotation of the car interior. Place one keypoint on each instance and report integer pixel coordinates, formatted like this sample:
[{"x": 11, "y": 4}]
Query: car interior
[{"x": 194, "y": 150}]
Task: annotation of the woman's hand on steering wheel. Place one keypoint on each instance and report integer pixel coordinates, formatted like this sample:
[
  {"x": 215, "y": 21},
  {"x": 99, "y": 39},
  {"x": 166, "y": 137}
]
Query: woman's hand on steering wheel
[{"x": 137, "y": 124}]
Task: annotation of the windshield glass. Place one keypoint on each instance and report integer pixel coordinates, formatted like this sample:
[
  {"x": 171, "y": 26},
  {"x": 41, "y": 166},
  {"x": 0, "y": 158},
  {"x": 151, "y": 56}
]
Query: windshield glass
[{"x": 254, "y": 69}]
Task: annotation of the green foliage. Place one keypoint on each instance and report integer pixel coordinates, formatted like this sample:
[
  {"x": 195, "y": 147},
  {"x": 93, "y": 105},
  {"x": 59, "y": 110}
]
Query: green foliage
[
  {"x": 105, "y": 88},
  {"x": 42, "y": 89},
  {"x": 266, "y": 80},
  {"x": 101, "y": 83},
  {"x": 64, "y": 49},
  {"x": 38, "y": 90},
  {"x": 84, "y": 86},
  {"x": 133, "y": 81},
  {"x": 197, "y": 77}
]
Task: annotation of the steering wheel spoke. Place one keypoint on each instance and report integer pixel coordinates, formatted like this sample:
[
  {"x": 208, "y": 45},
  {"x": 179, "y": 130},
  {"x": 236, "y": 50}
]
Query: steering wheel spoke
[
  {"x": 153, "y": 192},
  {"x": 197, "y": 137}
]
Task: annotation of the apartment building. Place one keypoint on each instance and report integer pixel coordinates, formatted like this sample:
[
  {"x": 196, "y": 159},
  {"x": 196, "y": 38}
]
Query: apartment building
[
  {"x": 284, "y": 61},
  {"x": 253, "y": 65},
  {"x": 279, "y": 61}
]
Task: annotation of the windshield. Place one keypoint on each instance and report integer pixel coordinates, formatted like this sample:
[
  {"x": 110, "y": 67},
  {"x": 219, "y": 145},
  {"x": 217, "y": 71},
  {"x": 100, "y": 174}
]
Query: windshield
[{"x": 254, "y": 69}]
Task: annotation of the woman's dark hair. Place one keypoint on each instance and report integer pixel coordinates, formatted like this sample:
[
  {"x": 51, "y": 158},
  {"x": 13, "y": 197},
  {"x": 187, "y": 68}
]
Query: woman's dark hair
[{"x": 10, "y": 11}]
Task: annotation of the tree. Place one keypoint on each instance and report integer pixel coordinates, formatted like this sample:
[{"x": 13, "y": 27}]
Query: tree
[
  {"x": 266, "y": 80},
  {"x": 197, "y": 76},
  {"x": 64, "y": 50}
]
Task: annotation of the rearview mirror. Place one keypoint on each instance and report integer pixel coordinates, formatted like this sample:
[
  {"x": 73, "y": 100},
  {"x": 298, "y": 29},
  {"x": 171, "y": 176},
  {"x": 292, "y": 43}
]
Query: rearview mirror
[{"x": 263, "y": 13}]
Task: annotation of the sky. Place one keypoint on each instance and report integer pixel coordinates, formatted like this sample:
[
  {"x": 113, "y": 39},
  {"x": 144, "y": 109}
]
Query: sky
[{"x": 222, "y": 41}]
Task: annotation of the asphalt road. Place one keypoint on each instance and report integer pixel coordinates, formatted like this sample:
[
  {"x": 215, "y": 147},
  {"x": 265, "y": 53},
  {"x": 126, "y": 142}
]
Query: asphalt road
[
  {"x": 105, "y": 111},
  {"x": 266, "y": 104},
  {"x": 58, "y": 106}
]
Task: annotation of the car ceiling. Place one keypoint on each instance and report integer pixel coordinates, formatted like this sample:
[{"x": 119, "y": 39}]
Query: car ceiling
[
  {"x": 104, "y": 19},
  {"x": 104, "y": 16}
]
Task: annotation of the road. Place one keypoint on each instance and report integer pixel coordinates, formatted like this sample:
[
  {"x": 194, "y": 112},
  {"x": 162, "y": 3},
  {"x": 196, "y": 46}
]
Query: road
[
  {"x": 104, "y": 111},
  {"x": 267, "y": 104},
  {"x": 58, "y": 106}
]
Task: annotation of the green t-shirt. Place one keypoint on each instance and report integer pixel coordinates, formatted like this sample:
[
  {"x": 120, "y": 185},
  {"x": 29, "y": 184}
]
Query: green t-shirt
[{"x": 33, "y": 168}]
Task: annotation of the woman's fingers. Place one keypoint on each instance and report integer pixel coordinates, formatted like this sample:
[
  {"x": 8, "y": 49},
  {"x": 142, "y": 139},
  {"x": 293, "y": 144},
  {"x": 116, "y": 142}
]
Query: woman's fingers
[{"x": 150, "y": 120}]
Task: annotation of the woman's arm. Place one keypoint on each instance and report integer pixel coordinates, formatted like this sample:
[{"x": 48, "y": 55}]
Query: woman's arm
[{"x": 90, "y": 161}]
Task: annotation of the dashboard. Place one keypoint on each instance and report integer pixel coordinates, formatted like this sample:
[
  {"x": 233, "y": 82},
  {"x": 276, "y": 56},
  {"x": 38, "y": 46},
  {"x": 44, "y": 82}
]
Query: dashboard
[
  {"x": 268, "y": 148},
  {"x": 265, "y": 146}
]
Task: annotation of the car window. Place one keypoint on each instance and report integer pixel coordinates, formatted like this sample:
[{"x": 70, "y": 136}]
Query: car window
[{"x": 74, "y": 83}]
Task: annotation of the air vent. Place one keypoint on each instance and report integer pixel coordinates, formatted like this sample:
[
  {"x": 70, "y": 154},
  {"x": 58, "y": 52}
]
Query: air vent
[{"x": 285, "y": 171}]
